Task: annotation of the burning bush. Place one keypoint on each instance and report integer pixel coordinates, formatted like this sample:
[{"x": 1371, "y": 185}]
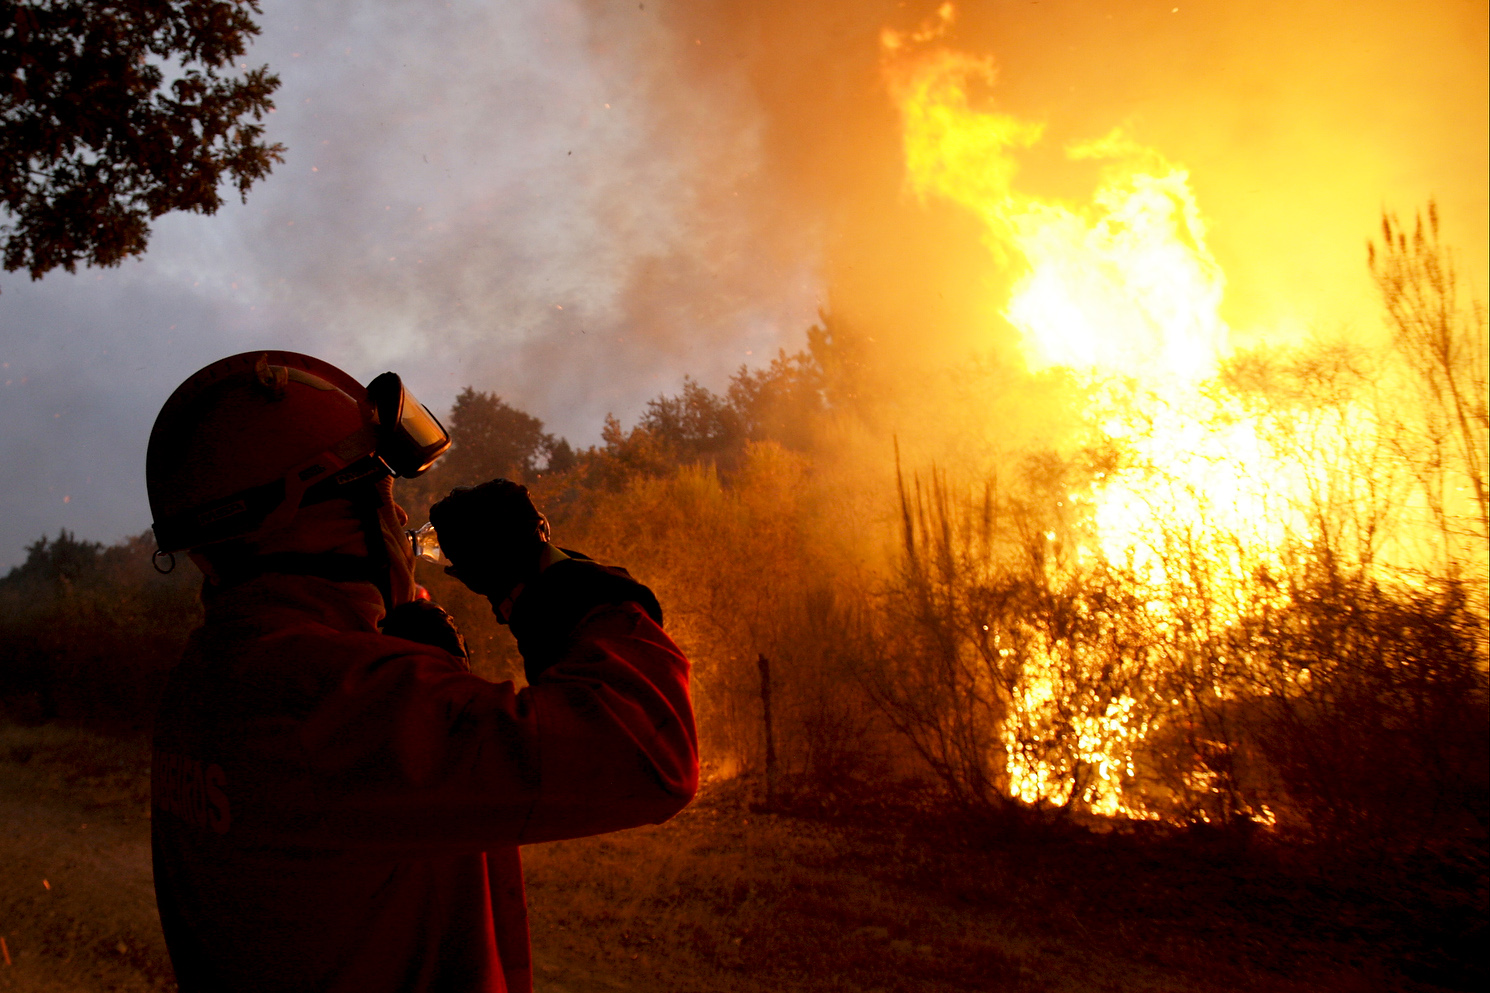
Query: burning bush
[{"x": 1339, "y": 706}]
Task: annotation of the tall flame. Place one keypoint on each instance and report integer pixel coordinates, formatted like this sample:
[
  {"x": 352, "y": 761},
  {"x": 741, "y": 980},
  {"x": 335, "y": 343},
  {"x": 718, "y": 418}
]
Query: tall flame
[
  {"x": 1124, "y": 292},
  {"x": 1125, "y": 285}
]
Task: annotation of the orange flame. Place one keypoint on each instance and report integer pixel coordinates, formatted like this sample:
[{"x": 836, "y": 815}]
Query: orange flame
[
  {"x": 1125, "y": 285},
  {"x": 1124, "y": 292},
  {"x": 1218, "y": 491}
]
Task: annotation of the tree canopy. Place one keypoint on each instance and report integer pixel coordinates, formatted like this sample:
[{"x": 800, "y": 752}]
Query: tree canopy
[
  {"x": 114, "y": 112},
  {"x": 492, "y": 439}
]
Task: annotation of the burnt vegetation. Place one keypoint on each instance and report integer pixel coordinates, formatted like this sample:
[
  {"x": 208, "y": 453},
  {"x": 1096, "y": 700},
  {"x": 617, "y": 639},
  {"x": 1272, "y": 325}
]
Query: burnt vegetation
[{"x": 1297, "y": 720}]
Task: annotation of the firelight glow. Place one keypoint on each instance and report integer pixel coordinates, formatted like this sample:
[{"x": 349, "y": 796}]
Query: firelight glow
[{"x": 1124, "y": 294}]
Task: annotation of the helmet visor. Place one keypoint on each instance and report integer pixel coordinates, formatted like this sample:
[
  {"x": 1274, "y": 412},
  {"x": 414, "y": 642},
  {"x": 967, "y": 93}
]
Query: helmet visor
[{"x": 410, "y": 438}]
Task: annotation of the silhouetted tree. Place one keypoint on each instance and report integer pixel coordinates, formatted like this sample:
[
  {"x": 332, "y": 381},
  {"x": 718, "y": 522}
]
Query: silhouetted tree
[
  {"x": 781, "y": 403},
  {"x": 491, "y": 438},
  {"x": 88, "y": 631},
  {"x": 695, "y": 425},
  {"x": 64, "y": 560},
  {"x": 561, "y": 457},
  {"x": 95, "y": 143}
]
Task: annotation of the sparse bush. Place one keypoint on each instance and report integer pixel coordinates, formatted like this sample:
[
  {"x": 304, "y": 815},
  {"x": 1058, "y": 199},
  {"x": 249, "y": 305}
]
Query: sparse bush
[
  {"x": 1017, "y": 671},
  {"x": 89, "y": 632},
  {"x": 733, "y": 559},
  {"x": 1369, "y": 708}
]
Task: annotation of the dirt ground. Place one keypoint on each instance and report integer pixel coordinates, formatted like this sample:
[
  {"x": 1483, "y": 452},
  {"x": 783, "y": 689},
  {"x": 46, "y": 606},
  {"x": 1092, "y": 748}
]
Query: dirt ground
[
  {"x": 725, "y": 898},
  {"x": 77, "y": 910}
]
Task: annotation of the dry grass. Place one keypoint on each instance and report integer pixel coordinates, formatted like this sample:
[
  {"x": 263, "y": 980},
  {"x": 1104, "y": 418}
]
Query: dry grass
[
  {"x": 77, "y": 909},
  {"x": 726, "y": 898}
]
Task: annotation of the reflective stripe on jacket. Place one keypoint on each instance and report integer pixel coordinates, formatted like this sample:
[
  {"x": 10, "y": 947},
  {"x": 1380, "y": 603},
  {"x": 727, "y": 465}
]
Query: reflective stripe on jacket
[{"x": 337, "y": 809}]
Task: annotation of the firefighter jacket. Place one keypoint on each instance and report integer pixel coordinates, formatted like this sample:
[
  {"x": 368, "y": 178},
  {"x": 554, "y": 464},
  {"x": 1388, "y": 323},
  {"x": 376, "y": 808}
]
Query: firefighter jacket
[{"x": 336, "y": 809}]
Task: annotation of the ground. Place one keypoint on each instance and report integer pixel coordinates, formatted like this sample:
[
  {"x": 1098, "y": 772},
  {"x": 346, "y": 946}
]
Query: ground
[{"x": 727, "y": 898}]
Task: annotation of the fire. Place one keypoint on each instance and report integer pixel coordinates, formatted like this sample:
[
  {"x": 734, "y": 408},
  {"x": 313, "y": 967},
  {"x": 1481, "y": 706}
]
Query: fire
[
  {"x": 1124, "y": 293},
  {"x": 1124, "y": 286}
]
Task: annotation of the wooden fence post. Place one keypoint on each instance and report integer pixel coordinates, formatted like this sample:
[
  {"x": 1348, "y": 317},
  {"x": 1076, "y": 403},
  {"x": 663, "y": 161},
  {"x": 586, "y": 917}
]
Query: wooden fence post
[{"x": 764, "y": 665}]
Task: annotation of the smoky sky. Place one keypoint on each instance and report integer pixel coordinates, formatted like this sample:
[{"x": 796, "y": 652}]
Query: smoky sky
[
  {"x": 1299, "y": 121},
  {"x": 575, "y": 203},
  {"x": 476, "y": 194}
]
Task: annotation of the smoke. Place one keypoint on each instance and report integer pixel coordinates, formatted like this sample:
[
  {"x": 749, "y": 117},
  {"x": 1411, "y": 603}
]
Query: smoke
[
  {"x": 489, "y": 195},
  {"x": 473, "y": 194},
  {"x": 1299, "y": 122}
]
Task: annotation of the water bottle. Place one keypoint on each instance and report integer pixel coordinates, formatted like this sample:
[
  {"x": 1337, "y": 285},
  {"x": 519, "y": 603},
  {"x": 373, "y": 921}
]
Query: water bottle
[{"x": 427, "y": 544}]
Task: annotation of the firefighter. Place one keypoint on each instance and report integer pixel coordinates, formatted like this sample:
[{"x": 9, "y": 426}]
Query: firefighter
[{"x": 337, "y": 800}]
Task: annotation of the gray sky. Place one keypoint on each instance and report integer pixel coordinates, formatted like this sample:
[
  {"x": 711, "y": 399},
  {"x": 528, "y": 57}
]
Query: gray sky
[{"x": 574, "y": 203}]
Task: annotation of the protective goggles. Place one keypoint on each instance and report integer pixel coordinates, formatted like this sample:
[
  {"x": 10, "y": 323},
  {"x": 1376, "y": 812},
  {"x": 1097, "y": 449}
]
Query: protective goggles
[{"x": 410, "y": 438}]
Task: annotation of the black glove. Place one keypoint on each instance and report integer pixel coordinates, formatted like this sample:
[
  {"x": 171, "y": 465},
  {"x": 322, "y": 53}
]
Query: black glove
[
  {"x": 428, "y": 624},
  {"x": 492, "y": 535},
  {"x": 551, "y": 606}
]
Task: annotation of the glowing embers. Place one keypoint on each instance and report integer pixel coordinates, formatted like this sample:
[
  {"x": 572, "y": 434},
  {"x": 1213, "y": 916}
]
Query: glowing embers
[{"x": 1108, "y": 732}]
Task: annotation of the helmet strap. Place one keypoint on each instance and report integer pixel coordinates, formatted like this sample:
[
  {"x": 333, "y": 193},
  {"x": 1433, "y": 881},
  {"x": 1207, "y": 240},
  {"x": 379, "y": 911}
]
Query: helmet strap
[{"x": 377, "y": 563}]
